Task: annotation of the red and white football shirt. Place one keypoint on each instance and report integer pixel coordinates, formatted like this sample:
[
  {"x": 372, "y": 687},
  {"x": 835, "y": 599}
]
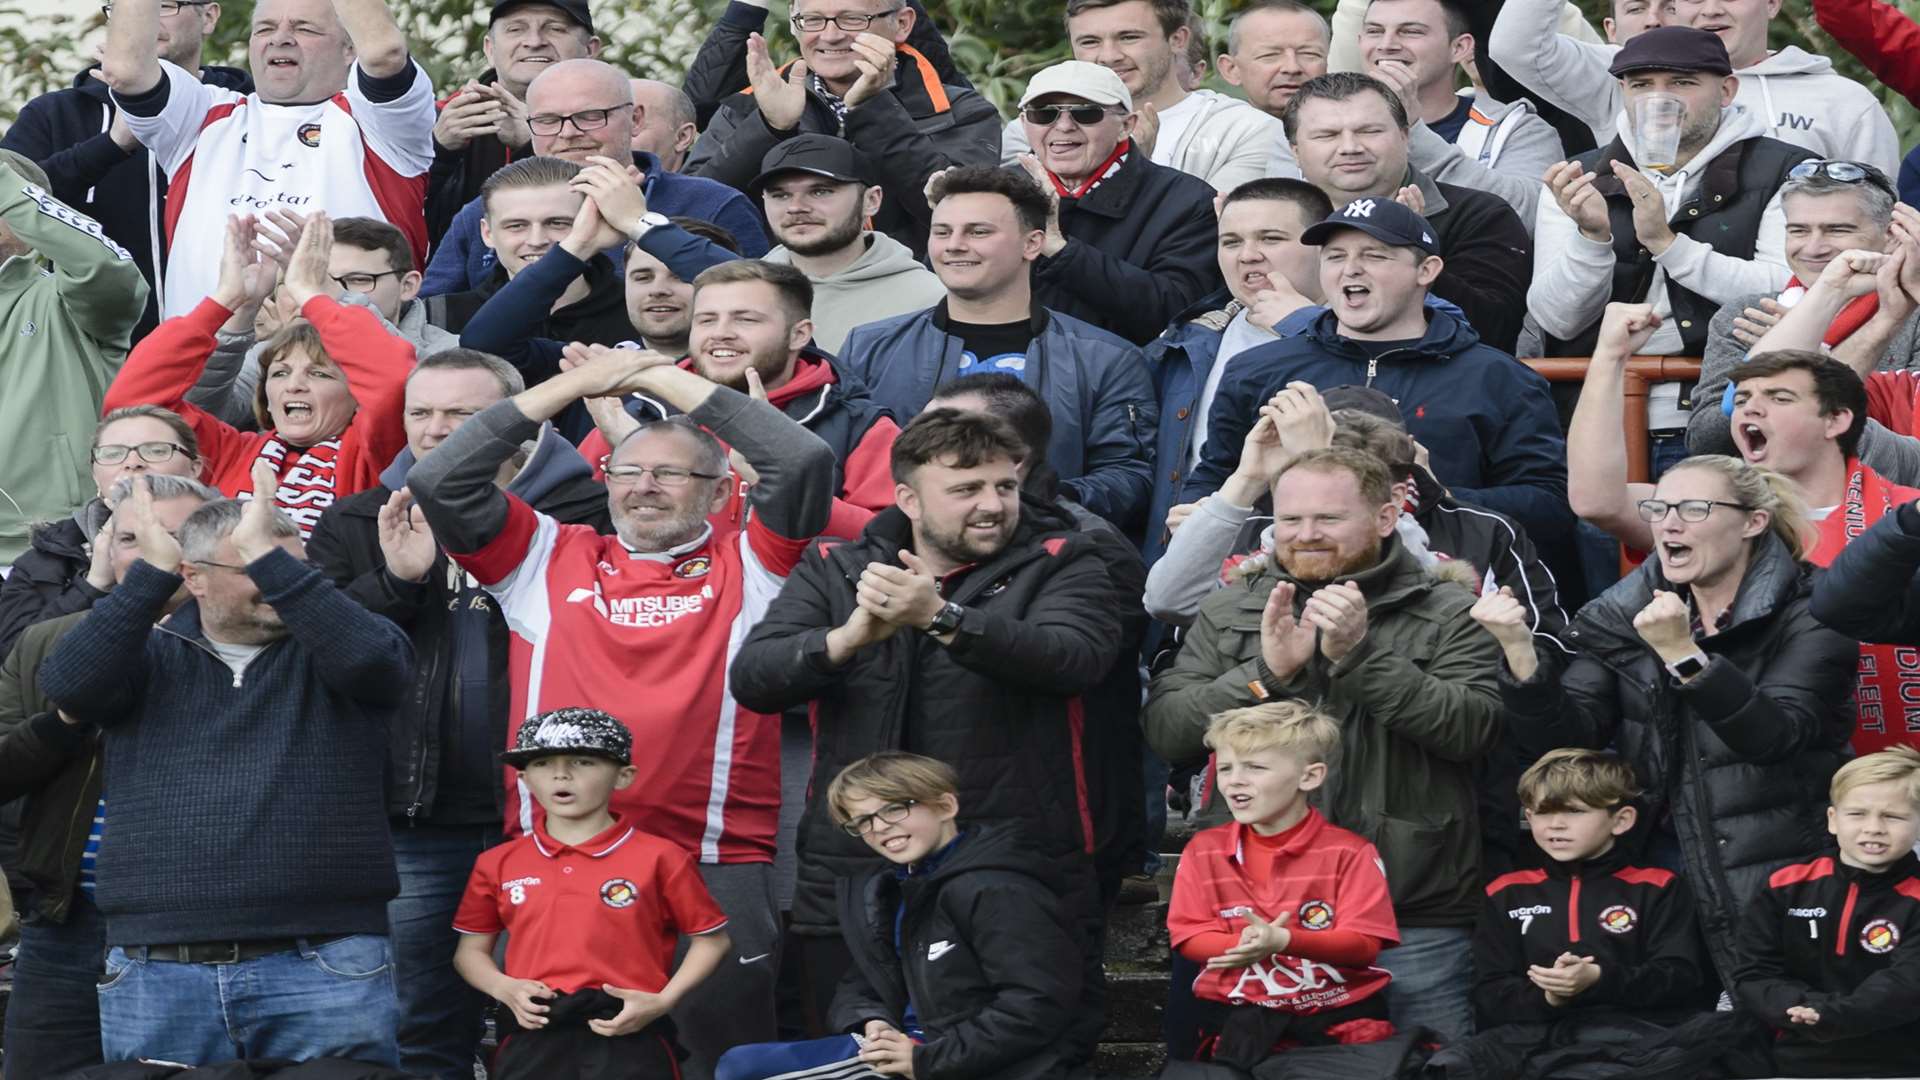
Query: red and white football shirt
[
  {"x": 608, "y": 911},
  {"x": 648, "y": 637},
  {"x": 230, "y": 153},
  {"x": 1325, "y": 878}
]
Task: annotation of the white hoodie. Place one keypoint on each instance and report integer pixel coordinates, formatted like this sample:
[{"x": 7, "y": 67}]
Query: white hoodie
[
  {"x": 1798, "y": 96},
  {"x": 1573, "y": 276}
]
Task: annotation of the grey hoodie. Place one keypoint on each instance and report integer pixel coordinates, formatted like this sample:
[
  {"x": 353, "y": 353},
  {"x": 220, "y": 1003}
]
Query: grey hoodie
[
  {"x": 1503, "y": 149},
  {"x": 885, "y": 281},
  {"x": 1798, "y": 97},
  {"x": 228, "y": 383}
]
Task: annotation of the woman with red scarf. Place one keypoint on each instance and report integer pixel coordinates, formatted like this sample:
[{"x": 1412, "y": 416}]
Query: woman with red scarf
[{"x": 331, "y": 387}]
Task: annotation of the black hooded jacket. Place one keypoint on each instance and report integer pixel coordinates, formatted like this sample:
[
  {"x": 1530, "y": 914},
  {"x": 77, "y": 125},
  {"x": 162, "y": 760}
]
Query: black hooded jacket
[
  {"x": 975, "y": 939},
  {"x": 1002, "y": 703},
  {"x": 50, "y": 578},
  {"x": 458, "y": 633},
  {"x": 1735, "y": 761},
  {"x": 65, "y": 133}
]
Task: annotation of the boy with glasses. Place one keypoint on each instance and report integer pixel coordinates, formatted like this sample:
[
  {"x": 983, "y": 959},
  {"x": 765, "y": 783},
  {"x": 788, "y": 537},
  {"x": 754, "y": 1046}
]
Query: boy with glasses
[
  {"x": 858, "y": 79},
  {"x": 963, "y": 965}
]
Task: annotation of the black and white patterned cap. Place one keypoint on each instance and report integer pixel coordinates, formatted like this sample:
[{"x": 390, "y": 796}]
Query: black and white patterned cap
[{"x": 570, "y": 731}]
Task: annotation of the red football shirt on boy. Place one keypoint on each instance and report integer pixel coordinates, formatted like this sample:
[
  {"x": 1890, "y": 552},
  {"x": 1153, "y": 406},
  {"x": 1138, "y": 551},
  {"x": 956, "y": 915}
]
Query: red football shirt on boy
[
  {"x": 1322, "y": 876},
  {"x": 607, "y": 911}
]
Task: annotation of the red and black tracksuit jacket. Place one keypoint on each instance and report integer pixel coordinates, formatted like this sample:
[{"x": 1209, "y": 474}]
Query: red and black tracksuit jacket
[
  {"x": 1637, "y": 923},
  {"x": 1846, "y": 943}
]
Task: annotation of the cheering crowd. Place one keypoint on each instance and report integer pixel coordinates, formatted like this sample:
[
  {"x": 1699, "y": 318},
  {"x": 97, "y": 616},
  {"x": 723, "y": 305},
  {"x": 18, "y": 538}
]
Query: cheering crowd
[{"x": 729, "y": 572}]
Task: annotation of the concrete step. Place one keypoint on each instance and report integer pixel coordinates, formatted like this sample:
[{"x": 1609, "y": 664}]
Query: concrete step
[{"x": 1129, "y": 1061}]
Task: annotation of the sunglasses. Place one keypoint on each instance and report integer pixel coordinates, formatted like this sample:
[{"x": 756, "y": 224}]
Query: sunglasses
[
  {"x": 1048, "y": 115},
  {"x": 1846, "y": 172}
]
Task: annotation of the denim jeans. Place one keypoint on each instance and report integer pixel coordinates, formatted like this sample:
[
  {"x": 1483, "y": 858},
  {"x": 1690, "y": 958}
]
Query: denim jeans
[
  {"x": 330, "y": 1000},
  {"x": 53, "y": 1016},
  {"x": 1432, "y": 980},
  {"x": 440, "y": 1015}
]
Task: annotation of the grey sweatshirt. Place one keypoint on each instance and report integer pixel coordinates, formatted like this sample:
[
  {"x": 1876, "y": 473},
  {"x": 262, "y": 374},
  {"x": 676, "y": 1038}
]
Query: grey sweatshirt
[{"x": 886, "y": 280}]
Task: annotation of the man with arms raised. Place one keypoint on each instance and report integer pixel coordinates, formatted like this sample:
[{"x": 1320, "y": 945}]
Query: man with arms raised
[
  {"x": 340, "y": 121},
  {"x": 638, "y": 624}
]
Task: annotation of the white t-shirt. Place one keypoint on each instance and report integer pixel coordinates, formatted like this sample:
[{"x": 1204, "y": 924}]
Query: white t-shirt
[
  {"x": 1240, "y": 335},
  {"x": 1173, "y": 125},
  {"x": 236, "y": 657},
  {"x": 348, "y": 155}
]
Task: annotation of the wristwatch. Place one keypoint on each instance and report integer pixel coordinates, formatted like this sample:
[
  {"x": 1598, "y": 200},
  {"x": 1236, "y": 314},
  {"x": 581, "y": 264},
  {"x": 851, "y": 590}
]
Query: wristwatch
[
  {"x": 947, "y": 619},
  {"x": 1688, "y": 666},
  {"x": 652, "y": 219}
]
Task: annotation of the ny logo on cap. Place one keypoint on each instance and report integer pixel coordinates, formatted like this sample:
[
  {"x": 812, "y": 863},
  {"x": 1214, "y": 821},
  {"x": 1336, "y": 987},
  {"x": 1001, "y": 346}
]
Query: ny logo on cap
[{"x": 1359, "y": 208}]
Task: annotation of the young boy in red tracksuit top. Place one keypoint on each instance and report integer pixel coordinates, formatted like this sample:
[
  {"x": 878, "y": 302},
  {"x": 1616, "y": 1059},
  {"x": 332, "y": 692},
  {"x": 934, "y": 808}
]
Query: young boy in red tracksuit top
[
  {"x": 593, "y": 908},
  {"x": 1831, "y": 946},
  {"x": 1589, "y": 931},
  {"x": 1285, "y": 911}
]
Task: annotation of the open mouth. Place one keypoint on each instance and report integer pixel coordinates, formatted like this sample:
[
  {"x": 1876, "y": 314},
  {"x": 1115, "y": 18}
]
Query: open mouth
[
  {"x": 1256, "y": 280},
  {"x": 1755, "y": 441},
  {"x": 1870, "y": 847},
  {"x": 297, "y": 410},
  {"x": 282, "y": 62},
  {"x": 1353, "y": 296},
  {"x": 1239, "y": 802},
  {"x": 724, "y": 354},
  {"x": 1063, "y": 146},
  {"x": 560, "y": 795},
  {"x": 1675, "y": 554},
  {"x": 984, "y": 527},
  {"x": 894, "y": 844}
]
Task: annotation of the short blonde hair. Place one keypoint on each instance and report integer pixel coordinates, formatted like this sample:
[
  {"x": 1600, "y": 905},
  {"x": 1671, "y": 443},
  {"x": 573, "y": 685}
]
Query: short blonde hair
[
  {"x": 891, "y": 776},
  {"x": 1899, "y": 764},
  {"x": 1593, "y": 779},
  {"x": 1291, "y": 727}
]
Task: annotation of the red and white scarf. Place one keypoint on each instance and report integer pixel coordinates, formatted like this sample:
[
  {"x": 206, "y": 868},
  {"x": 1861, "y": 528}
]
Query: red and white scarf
[
  {"x": 1104, "y": 171},
  {"x": 309, "y": 485},
  {"x": 1889, "y": 675},
  {"x": 1852, "y": 317}
]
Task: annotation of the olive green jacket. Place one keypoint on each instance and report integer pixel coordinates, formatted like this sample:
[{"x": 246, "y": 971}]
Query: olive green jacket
[{"x": 1417, "y": 701}]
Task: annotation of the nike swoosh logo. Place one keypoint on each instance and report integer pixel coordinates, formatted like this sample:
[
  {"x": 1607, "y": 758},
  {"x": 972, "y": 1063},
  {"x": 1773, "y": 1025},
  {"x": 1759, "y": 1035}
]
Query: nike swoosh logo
[
  {"x": 752, "y": 959},
  {"x": 940, "y": 949}
]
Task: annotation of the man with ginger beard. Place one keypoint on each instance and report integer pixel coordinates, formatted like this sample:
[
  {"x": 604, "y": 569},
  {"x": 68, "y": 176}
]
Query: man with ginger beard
[{"x": 1351, "y": 623}]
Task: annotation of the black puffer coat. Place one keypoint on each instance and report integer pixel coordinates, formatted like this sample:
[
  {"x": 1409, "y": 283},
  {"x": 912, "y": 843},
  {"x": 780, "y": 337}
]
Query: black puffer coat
[
  {"x": 1735, "y": 762},
  {"x": 50, "y": 578},
  {"x": 1001, "y": 704},
  {"x": 982, "y": 949}
]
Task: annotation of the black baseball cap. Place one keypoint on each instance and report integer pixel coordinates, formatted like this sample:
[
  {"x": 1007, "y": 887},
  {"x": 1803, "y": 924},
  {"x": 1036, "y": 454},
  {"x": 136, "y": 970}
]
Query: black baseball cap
[
  {"x": 1383, "y": 219},
  {"x": 575, "y": 10},
  {"x": 570, "y": 731},
  {"x": 1672, "y": 48},
  {"x": 821, "y": 155},
  {"x": 1366, "y": 399}
]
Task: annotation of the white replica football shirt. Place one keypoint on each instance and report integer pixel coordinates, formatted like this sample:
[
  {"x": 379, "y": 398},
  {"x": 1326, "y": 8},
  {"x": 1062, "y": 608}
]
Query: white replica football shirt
[{"x": 231, "y": 153}]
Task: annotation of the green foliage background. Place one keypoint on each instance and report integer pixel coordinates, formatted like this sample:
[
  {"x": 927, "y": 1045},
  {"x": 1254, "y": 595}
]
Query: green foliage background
[{"x": 999, "y": 43}]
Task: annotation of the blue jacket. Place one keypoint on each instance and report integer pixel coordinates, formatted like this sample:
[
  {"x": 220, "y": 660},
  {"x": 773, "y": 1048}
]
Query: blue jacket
[
  {"x": 1095, "y": 384},
  {"x": 1487, "y": 421},
  {"x": 1180, "y": 360},
  {"x": 244, "y": 806},
  {"x": 463, "y": 262}
]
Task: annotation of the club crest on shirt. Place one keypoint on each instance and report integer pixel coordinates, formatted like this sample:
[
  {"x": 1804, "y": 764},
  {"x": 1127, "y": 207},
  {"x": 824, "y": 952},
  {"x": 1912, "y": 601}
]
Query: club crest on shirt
[
  {"x": 618, "y": 892},
  {"x": 309, "y": 135},
  {"x": 698, "y": 566},
  {"x": 1315, "y": 915},
  {"x": 1619, "y": 919},
  {"x": 1879, "y": 936}
]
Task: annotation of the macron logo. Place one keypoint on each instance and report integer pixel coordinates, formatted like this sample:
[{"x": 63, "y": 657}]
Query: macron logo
[
  {"x": 939, "y": 949},
  {"x": 1359, "y": 208}
]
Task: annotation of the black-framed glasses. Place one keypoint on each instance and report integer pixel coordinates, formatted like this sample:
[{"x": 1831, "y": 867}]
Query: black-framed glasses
[
  {"x": 1048, "y": 115},
  {"x": 891, "y": 814},
  {"x": 584, "y": 120},
  {"x": 238, "y": 569},
  {"x": 1846, "y": 172},
  {"x": 166, "y": 7},
  {"x": 853, "y": 22},
  {"x": 362, "y": 282},
  {"x": 664, "y": 475},
  {"x": 153, "y": 453},
  {"x": 1654, "y": 511}
]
